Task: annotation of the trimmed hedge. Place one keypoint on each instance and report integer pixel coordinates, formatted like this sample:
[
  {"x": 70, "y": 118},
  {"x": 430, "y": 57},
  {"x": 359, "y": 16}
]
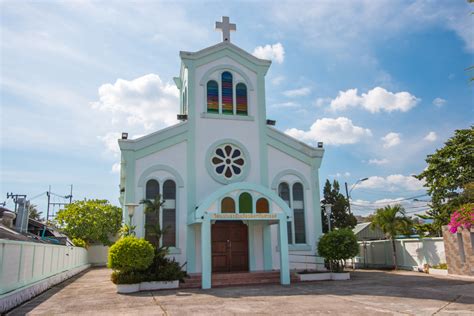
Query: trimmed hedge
[{"x": 131, "y": 254}]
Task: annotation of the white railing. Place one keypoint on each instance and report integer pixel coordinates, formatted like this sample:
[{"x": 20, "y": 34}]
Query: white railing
[{"x": 23, "y": 263}]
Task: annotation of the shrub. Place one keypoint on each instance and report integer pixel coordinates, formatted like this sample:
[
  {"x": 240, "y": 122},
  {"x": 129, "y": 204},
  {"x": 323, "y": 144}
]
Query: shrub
[
  {"x": 131, "y": 254},
  {"x": 338, "y": 245},
  {"x": 127, "y": 277},
  {"x": 78, "y": 242}
]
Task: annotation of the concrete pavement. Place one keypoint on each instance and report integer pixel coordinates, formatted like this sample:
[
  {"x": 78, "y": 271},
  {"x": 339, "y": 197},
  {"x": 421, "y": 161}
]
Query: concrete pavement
[{"x": 368, "y": 292}]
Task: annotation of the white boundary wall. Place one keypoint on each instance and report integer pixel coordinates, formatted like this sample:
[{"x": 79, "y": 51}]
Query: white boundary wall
[
  {"x": 411, "y": 253},
  {"x": 28, "y": 268}
]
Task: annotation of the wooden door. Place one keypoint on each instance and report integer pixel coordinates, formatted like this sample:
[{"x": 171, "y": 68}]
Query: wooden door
[{"x": 229, "y": 246}]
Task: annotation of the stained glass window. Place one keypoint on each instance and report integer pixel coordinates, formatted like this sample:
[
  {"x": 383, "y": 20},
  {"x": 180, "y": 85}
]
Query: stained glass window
[
  {"x": 262, "y": 206},
  {"x": 241, "y": 95},
  {"x": 227, "y": 93},
  {"x": 151, "y": 218},
  {"x": 212, "y": 97},
  {"x": 245, "y": 203},
  {"x": 298, "y": 213},
  {"x": 228, "y": 205},
  {"x": 169, "y": 213},
  {"x": 284, "y": 193},
  {"x": 228, "y": 161}
]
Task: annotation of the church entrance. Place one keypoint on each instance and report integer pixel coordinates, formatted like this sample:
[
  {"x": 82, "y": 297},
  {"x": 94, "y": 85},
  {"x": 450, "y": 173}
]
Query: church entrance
[{"x": 229, "y": 246}]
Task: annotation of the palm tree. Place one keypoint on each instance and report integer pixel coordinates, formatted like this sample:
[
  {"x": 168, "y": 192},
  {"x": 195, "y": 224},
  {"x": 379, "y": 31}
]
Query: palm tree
[
  {"x": 154, "y": 232},
  {"x": 392, "y": 221},
  {"x": 34, "y": 213}
]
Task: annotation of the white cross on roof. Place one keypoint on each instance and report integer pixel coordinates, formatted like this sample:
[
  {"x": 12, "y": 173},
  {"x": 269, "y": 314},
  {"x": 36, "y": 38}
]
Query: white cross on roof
[{"x": 225, "y": 27}]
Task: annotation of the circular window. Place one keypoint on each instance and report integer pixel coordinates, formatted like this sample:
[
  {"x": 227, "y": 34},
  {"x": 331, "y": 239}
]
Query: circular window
[{"x": 227, "y": 162}]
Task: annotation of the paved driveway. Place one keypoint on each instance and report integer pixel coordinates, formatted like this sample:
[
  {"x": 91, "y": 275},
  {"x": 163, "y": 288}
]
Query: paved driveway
[{"x": 369, "y": 292}]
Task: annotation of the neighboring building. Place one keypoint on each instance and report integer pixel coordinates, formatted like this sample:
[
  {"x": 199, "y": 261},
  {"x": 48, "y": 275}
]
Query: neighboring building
[
  {"x": 459, "y": 249},
  {"x": 364, "y": 232},
  {"x": 240, "y": 195}
]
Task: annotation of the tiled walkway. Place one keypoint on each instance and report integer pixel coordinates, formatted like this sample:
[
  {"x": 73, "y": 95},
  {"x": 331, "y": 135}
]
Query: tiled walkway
[{"x": 368, "y": 293}]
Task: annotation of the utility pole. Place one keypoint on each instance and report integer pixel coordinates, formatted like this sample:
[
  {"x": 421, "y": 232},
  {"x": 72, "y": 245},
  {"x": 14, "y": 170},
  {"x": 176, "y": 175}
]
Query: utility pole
[
  {"x": 15, "y": 198},
  {"x": 347, "y": 196}
]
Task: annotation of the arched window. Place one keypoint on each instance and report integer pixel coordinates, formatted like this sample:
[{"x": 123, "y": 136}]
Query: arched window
[
  {"x": 241, "y": 95},
  {"x": 298, "y": 213},
  {"x": 284, "y": 193},
  {"x": 151, "y": 218},
  {"x": 212, "y": 97},
  {"x": 169, "y": 213},
  {"x": 152, "y": 189},
  {"x": 228, "y": 205},
  {"x": 262, "y": 206},
  {"x": 245, "y": 203},
  {"x": 227, "y": 93}
]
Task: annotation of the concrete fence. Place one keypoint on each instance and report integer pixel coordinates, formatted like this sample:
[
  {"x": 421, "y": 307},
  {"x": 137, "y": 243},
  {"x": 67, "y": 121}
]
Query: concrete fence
[
  {"x": 411, "y": 253},
  {"x": 28, "y": 268}
]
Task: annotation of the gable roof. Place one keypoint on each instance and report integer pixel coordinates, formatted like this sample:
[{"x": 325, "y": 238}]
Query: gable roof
[
  {"x": 360, "y": 227},
  {"x": 221, "y": 47}
]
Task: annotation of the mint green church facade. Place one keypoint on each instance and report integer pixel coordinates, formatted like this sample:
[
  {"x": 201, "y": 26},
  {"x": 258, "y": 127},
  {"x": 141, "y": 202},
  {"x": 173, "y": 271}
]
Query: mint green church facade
[{"x": 239, "y": 194}]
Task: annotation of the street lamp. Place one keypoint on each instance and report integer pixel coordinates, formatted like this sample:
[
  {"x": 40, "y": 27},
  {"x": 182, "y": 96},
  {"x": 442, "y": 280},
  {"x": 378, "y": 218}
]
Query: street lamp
[
  {"x": 327, "y": 208},
  {"x": 348, "y": 193},
  {"x": 131, "y": 210}
]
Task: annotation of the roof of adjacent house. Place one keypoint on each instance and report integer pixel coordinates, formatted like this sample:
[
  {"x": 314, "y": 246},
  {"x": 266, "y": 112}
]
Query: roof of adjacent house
[{"x": 360, "y": 227}]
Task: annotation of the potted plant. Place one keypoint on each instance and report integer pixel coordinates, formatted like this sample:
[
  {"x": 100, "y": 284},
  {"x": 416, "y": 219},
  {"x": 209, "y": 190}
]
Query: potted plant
[
  {"x": 129, "y": 257},
  {"x": 336, "y": 247}
]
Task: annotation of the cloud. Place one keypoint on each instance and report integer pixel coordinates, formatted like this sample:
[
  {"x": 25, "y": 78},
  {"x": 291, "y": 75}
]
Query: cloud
[
  {"x": 394, "y": 182},
  {"x": 116, "y": 167},
  {"x": 378, "y": 161},
  {"x": 431, "y": 137},
  {"x": 146, "y": 102},
  {"x": 391, "y": 139},
  {"x": 322, "y": 102},
  {"x": 274, "y": 52},
  {"x": 439, "y": 102},
  {"x": 286, "y": 105},
  {"x": 376, "y": 100},
  {"x": 368, "y": 207},
  {"x": 110, "y": 141},
  {"x": 301, "y": 92},
  {"x": 340, "y": 131},
  {"x": 340, "y": 175},
  {"x": 277, "y": 80}
]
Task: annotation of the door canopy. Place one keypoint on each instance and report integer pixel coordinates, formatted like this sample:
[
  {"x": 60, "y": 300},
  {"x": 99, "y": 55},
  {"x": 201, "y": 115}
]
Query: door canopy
[{"x": 242, "y": 201}]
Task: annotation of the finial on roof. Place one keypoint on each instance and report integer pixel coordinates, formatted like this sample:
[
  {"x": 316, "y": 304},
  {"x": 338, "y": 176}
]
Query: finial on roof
[{"x": 225, "y": 28}]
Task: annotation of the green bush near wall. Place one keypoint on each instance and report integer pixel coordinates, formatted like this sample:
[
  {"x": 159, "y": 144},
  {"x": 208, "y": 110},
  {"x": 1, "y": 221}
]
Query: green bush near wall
[
  {"x": 130, "y": 254},
  {"x": 338, "y": 245}
]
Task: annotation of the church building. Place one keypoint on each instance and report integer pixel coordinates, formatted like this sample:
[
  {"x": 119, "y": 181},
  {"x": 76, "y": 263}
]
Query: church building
[{"x": 239, "y": 194}]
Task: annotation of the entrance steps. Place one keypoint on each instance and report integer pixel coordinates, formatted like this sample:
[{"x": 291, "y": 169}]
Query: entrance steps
[{"x": 236, "y": 279}]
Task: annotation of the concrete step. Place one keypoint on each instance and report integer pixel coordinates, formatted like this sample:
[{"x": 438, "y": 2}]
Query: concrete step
[{"x": 237, "y": 278}]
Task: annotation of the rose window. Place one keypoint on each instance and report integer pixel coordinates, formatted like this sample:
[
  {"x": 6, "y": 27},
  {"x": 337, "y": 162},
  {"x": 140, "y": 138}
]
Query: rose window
[{"x": 228, "y": 161}]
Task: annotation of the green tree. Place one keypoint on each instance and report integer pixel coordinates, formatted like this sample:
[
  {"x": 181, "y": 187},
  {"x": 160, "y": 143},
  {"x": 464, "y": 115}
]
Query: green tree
[
  {"x": 90, "y": 220},
  {"x": 340, "y": 216},
  {"x": 338, "y": 246},
  {"x": 392, "y": 220},
  {"x": 34, "y": 213},
  {"x": 449, "y": 177}
]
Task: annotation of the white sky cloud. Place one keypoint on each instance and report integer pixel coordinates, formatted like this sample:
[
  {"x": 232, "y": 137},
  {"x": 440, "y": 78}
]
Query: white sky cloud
[
  {"x": 346, "y": 174},
  {"x": 431, "y": 137},
  {"x": 274, "y": 52},
  {"x": 301, "y": 92},
  {"x": 439, "y": 102},
  {"x": 378, "y": 162},
  {"x": 391, "y": 139},
  {"x": 116, "y": 167},
  {"x": 376, "y": 100},
  {"x": 146, "y": 102},
  {"x": 288, "y": 104},
  {"x": 394, "y": 182},
  {"x": 277, "y": 80},
  {"x": 339, "y": 131}
]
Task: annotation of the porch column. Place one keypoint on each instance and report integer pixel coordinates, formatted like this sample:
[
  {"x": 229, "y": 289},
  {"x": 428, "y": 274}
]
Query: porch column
[
  {"x": 206, "y": 253},
  {"x": 267, "y": 247},
  {"x": 284, "y": 261}
]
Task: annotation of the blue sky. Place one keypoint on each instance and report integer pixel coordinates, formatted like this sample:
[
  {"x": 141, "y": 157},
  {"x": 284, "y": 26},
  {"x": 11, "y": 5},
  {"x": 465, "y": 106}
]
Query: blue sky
[{"x": 382, "y": 83}]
